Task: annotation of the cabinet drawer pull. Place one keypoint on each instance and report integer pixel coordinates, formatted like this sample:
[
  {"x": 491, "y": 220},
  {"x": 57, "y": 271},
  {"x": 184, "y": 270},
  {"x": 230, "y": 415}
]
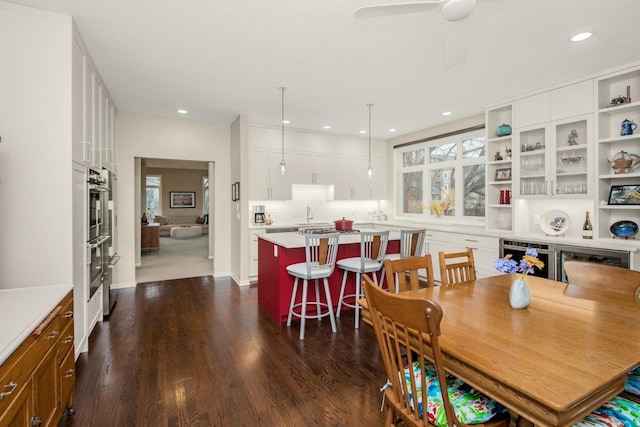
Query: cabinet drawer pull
[
  {"x": 68, "y": 314},
  {"x": 52, "y": 335},
  {"x": 50, "y": 318},
  {"x": 472, "y": 248},
  {"x": 68, "y": 339},
  {"x": 68, "y": 374},
  {"x": 13, "y": 387},
  {"x": 470, "y": 240}
]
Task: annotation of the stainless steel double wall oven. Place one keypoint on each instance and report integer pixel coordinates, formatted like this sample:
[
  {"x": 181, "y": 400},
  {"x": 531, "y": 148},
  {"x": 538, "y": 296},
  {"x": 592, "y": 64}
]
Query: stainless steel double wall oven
[{"x": 101, "y": 245}]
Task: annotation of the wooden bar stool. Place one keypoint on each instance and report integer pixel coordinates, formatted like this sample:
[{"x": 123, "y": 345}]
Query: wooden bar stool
[{"x": 320, "y": 252}]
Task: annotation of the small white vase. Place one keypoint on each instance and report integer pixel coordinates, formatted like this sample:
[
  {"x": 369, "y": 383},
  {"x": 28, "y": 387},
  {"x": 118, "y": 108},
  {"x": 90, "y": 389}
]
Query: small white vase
[{"x": 519, "y": 295}]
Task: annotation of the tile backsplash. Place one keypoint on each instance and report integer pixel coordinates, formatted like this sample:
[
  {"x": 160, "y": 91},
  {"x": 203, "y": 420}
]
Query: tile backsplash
[{"x": 315, "y": 196}]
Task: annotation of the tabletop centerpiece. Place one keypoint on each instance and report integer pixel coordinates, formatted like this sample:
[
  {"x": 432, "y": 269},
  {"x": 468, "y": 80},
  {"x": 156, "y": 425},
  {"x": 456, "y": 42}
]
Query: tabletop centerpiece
[{"x": 519, "y": 295}]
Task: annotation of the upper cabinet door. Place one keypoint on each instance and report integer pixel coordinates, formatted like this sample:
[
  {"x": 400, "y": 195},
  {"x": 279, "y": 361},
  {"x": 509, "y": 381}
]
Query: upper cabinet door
[
  {"x": 533, "y": 110},
  {"x": 79, "y": 150},
  {"x": 573, "y": 100}
]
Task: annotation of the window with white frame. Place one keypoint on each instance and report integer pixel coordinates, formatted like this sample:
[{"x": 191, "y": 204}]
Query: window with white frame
[
  {"x": 153, "y": 184},
  {"x": 449, "y": 171}
]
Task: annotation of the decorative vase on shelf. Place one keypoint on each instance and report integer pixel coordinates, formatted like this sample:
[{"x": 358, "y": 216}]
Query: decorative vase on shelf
[{"x": 519, "y": 295}]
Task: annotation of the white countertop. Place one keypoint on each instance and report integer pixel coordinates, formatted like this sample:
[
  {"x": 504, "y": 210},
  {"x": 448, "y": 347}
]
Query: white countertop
[
  {"x": 292, "y": 240},
  {"x": 22, "y": 310},
  {"x": 396, "y": 225}
]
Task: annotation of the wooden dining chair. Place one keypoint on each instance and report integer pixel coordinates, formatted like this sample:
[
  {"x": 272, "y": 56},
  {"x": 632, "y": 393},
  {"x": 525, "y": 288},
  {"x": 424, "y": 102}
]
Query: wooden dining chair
[
  {"x": 418, "y": 391},
  {"x": 457, "y": 267},
  {"x": 405, "y": 272},
  {"x": 411, "y": 245},
  {"x": 599, "y": 276}
]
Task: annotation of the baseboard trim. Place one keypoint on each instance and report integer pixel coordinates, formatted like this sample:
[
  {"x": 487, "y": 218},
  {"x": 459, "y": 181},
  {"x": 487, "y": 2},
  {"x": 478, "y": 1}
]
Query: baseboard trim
[
  {"x": 240, "y": 282},
  {"x": 123, "y": 285}
]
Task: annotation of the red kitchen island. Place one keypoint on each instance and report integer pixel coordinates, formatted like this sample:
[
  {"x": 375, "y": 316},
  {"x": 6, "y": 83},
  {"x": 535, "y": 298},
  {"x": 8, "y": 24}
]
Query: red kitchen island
[{"x": 276, "y": 251}]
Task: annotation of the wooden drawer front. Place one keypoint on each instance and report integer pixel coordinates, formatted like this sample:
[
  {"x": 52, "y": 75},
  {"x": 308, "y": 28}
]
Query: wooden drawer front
[
  {"x": 12, "y": 384},
  {"x": 19, "y": 412},
  {"x": 66, "y": 314},
  {"x": 67, "y": 377},
  {"x": 65, "y": 343},
  {"x": 45, "y": 388}
]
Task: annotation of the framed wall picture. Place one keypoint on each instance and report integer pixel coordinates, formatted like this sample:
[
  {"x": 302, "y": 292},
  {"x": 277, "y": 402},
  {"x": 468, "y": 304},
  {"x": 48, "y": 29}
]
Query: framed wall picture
[
  {"x": 503, "y": 174},
  {"x": 182, "y": 199},
  {"x": 624, "y": 195},
  {"x": 235, "y": 191}
]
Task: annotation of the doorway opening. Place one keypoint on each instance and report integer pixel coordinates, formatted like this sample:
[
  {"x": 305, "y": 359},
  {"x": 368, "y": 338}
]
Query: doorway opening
[{"x": 175, "y": 199}]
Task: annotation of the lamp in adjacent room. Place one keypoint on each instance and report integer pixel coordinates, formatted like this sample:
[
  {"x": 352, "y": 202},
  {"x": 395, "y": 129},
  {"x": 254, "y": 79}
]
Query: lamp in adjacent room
[
  {"x": 370, "y": 169},
  {"x": 282, "y": 168}
]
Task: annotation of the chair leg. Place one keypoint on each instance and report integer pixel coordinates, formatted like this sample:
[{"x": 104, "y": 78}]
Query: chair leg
[
  {"x": 329, "y": 305},
  {"x": 358, "y": 286},
  {"x": 293, "y": 300},
  {"x": 317, "y": 299},
  {"x": 303, "y": 310},
  {"x": 344, "y": 282}
]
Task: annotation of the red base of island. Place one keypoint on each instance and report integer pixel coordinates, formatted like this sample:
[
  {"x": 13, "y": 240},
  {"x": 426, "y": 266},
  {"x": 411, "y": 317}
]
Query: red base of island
[{"x": 275, "y": 285}]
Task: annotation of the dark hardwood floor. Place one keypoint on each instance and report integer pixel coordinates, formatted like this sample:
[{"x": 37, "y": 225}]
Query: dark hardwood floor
[{"x": 200, "y": 352}]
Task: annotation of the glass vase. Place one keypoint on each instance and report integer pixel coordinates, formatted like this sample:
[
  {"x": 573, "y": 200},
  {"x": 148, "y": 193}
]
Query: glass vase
[{"x": 519, "y": 295}]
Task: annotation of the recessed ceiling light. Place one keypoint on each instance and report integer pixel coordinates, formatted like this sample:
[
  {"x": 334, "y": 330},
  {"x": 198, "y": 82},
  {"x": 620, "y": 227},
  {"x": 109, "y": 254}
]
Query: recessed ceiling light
[
  {"x": 363, "y": 131},
  {"x": 581, "y": 36},
  {"x": 392, "y": 130},
  {"x": 326, "y": 127},
  {"x": 181, "y": 111},
  {"x": 446, "y": 113},
  {"x": 286, "y": 122}
]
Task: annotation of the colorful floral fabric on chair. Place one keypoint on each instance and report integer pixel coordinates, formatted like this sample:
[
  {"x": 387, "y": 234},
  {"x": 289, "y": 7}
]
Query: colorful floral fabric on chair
[
  {"x": 470, "y": 406},
  {"x": 618, "y": 412}
]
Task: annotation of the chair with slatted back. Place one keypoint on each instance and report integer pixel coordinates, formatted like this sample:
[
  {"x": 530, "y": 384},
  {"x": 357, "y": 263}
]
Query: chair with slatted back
[
  {"x": 419, "y": 391},
  {"x": 411, "y": 245},
  {"x": 320, "y": 253},
  {"x": 457, "y": 267},
  {"x": 598, "y": 276},
  {"x": 373, "y": 247},
  {"x": 405, "y": 271}
]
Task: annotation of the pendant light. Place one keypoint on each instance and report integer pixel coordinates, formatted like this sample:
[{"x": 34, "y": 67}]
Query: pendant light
[
  {"x": 283, "y": 165},
  {"x": 370, "y": 169}
]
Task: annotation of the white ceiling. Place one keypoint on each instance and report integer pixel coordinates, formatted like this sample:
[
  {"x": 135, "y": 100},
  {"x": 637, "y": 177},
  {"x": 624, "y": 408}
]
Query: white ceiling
[{"x": 220, "y": 58}]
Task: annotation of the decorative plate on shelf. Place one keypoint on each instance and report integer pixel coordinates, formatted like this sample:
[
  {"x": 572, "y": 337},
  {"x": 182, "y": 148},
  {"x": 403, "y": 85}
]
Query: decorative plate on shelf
[
  {"x": 555, "y": 223},
  {"x": 624, "y": 229}
]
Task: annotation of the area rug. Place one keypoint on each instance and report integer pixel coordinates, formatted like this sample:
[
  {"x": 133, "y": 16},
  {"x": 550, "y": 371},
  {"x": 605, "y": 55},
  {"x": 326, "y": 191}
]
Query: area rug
[{"x": 176, "y": 259}]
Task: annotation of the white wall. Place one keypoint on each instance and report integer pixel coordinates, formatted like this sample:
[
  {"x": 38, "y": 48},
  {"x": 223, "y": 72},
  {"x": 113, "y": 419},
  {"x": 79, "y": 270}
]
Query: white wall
[
  {"x": 152, "y": 137},
  {"x": 35, "y": 152},
  {"x": 240, "y": 244}
]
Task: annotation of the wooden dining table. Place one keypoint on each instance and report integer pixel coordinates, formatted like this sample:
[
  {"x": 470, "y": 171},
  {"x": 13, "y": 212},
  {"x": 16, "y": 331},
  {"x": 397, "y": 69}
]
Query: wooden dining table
[{"x": 552, "y": 363}]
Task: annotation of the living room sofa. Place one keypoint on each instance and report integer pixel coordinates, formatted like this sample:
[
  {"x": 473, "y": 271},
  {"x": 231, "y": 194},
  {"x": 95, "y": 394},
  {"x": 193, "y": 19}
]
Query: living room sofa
[{"x": 167, "y": 222}]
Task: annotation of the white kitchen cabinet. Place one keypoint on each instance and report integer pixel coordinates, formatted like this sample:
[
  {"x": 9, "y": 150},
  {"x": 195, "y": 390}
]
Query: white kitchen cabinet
[
  {"x": 533, "y": 110},
  {"x": 485, "y": 250},
  {"x": 551, "y": 166},
  {"x": 311, "y": 158},
  {"x": 79, "y": 150},
  {"x": 499, "y": 215},
  {"x": 253, "y": 251},
  {"x": 572, "y": 100},
  {"x": 610, "y": 142},
  {"x": 265, "y": 182}
]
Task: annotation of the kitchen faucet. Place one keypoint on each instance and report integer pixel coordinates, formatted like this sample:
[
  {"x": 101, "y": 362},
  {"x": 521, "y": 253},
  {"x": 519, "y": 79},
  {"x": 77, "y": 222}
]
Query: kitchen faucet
[{"x": 309, "y": 214}]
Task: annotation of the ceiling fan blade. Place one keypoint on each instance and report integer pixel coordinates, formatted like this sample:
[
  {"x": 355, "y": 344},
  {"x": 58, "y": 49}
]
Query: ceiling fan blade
[
  {"x": 455, "y": 10},
  {"x": 397, "y": 8},
  {"x": 456, "y": 44}
]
